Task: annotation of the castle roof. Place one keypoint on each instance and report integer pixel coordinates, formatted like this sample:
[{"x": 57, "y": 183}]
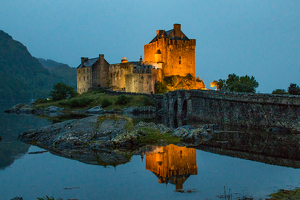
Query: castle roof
[
  {"x": 88, "y": 62},
  {"x": 170, "y": 34}
]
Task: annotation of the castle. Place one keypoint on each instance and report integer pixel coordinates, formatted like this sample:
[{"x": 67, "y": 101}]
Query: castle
[
  {"x": 169, "y": 53},
  {"x": 172, "y": 164}
]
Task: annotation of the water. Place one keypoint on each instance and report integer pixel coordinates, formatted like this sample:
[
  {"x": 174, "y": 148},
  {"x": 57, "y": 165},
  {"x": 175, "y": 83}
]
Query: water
[{"x": 152, "y": 175}]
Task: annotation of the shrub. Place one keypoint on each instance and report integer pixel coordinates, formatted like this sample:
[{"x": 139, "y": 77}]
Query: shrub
[
  {"x": 294, "y": 89},
  {"x": 122, "y": 100},
  {"x": 75, "y": 103},
  {"x": 39, "y": 101},
  {"x": 106, "y": 103},
  {"x": 62, "y": 91},
  {"x": 279, "y": 91},
  {"x": 148, "y": 101}
]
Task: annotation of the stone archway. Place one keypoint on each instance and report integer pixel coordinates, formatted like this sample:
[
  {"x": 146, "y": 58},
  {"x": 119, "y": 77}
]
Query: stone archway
[
  {"x": 184, "y": 109},
  {"x": 175, "y": 107}
]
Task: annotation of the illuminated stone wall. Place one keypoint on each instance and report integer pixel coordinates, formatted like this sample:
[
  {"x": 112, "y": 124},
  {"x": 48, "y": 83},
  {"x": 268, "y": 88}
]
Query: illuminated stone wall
[
  {"x": 84, "y": 79},
  {"x": 177, "y": 56},
  {"x": 172, "y": 163},
  {"x": 117, "y": 74},
  {"x": 139, "y": 82}
]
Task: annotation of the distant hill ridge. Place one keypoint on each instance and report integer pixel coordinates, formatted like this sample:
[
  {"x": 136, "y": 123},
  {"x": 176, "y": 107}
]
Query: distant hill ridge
[
  {"x": 22, "y": 76},
  {"x": 69, "y": 74}
]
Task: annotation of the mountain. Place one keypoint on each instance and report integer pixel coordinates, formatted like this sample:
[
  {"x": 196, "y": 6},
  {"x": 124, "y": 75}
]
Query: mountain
[
  {"x": 67, "y": 73},
  {"x": 48, "y": 63},
  {"x": 21, "y": 75}
]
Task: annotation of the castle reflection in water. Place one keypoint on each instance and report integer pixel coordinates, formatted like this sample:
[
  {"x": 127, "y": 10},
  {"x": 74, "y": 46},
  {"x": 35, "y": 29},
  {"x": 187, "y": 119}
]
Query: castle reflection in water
[{"x": 172, "y": 164}]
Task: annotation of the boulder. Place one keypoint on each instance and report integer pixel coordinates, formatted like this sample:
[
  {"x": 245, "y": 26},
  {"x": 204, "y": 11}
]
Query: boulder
[
  {"x": 95, "y": 110},
  {"x": 53, "y": 109}
]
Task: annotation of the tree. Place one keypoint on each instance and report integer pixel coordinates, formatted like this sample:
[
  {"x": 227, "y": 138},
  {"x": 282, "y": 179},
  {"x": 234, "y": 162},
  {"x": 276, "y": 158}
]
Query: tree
[
  {"x": 235, "y": 83},
  {"x": 62, "y": 91},
  {"x": 279, "y": 91},
  {"x": 218, "y": 84},
  {"x": 294, "y": 89}
]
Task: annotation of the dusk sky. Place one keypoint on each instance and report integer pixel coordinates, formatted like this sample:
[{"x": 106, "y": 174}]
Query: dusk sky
[{"x": 259, "y": 38}]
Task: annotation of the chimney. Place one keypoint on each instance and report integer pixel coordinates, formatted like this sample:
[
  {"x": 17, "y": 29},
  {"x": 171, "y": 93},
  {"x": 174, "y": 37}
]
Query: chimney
[
  {"x": 177, "y": 29},
  {"x": 83, "y": 59}
]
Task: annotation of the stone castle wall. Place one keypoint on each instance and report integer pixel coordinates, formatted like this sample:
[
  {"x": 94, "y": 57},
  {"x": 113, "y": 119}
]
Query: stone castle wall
[
  {"x": 117, "y": 74},
  {"x": 101, "y": 70},
  {"x": 178, "y": 56},
  {"x": 139, "y": 82},
  {"x": 84, "y": 79},
  {"x": 251, "y": 110}
]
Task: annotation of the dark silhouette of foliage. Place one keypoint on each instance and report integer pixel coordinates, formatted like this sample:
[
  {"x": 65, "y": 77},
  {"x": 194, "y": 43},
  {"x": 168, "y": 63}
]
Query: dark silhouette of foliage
[
  {"x": 122, "y": 100},
  {"x": 235, "y": 83},
  {"x": 279, "y": 91},
  {"x": 294, "y": 89},
  {"x": 62, "y": 91},
  {"x": 105, "y": 103}
]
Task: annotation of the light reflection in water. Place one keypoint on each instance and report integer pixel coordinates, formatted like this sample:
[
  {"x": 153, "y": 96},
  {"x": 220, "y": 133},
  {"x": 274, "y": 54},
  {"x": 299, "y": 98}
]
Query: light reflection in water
[{"x": 172, "y": 164}]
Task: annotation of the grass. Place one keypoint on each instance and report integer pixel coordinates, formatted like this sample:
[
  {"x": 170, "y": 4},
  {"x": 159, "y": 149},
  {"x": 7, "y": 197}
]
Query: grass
[
  {"x": 285, "y": 194},
  {"x": 99, "y": 98},
  {"x": 155, "y": 137}
]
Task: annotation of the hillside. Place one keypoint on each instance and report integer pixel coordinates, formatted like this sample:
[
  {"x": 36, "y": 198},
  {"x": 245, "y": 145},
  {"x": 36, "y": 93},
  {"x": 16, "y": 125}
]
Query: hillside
[
  {"x": 67, "y": 74},
  {"x": 21, "y": 75}
]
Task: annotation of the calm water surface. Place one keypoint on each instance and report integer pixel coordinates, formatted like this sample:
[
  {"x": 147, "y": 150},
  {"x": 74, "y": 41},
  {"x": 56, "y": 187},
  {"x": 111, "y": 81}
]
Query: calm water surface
[{"x": 153, "y": 175}]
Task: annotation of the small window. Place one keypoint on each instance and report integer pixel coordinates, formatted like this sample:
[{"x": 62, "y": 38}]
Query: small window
[
  {"x": 87, "y": 78},
  {"x": 179, "y": 60}
]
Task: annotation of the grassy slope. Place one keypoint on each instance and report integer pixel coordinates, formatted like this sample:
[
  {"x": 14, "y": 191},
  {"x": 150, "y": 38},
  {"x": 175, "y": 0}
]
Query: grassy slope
[{"x": 96, "y": 98}]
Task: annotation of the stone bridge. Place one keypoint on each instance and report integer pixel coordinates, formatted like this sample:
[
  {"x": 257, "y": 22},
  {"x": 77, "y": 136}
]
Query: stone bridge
[{"x": 249, "y": 110}]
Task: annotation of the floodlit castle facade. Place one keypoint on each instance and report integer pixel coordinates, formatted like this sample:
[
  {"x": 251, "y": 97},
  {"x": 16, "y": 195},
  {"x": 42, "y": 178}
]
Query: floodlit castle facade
[{"x": 169, "y": 53}]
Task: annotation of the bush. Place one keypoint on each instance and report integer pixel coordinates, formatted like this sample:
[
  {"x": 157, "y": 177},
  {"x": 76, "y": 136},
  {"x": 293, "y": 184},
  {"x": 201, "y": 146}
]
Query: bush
[
  {"x": 39, "y": 101},
  {"x": 75, "y": 103},
  {"x": 294, "y": 89},
  {"x": 148, "y": 101},
  {"x": 105, "y": 103},
  {"x": 279, "y": 91},
  {"x": 122, "y": 100},
  {"x": 62, "y": 91}
]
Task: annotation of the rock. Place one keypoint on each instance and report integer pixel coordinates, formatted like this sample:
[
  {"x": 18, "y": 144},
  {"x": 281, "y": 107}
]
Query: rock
[
  {"x": 180, "y": 132},
  {"x": 15, "y": 108},
  {"x": 279, "y": 129},
  {"x": 95, "y": 110},
  {"x": 139, "y": 110},
  {"x": 76, "y": 133},
  {"x": 17, "y": 198},
  {"x": 53, "y": 109}
]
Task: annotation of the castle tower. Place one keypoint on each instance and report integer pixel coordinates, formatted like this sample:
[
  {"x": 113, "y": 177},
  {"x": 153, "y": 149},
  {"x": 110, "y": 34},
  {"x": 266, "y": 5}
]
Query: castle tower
[{"x": 174, "y": 50}]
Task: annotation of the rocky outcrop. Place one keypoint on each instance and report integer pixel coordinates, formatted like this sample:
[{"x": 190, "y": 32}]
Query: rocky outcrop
[
  {"x": 93, "y": 140},
  {"x": 191, "y": 134},
  {"x": 53, "y": 109},
  {"x": 95, "y": 132},
  {"x": 22, "y": 108}
]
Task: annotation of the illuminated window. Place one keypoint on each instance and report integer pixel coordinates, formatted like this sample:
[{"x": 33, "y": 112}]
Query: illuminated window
[{"x": 179, "y": 60}]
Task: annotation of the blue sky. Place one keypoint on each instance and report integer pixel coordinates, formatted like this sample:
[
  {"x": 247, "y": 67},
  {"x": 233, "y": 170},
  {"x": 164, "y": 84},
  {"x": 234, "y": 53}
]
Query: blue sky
[{"x": 259, "y": 38}]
